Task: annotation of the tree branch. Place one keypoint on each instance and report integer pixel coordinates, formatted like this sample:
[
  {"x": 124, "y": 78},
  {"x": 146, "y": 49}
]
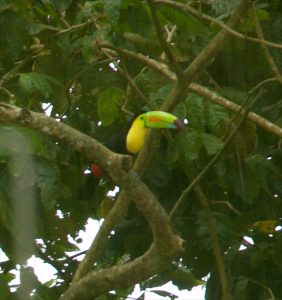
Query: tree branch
[
  {"x": 166, "y": 244},
  {"x": 164, "y": 247},
  {"x": 215, "y": 158},
  {"x": 114, "y": 217},
  {"x": 131, "y": 82},
  {"x": 273, "y": 67},
  {"x": 162, "y": 41},
  {"x": 116, "y": 165},
  {"x": 162, "y": 68},
  {"x": 203, "y": 91},
  {"x": 221, "y": 24},
  {"x": 225, "y": 293},
  {"x": 207, "y": 54},
  {"x": 257, "y": 119}
]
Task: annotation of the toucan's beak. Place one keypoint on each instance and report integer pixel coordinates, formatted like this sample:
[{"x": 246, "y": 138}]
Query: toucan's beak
[
  {"x": 180, "y": 125},
  {"x": 161, "y": 119}
]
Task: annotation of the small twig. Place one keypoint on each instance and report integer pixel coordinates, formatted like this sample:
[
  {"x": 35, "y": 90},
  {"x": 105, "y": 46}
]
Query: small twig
[
  {"x": 170, "y": 34},
  {"x": 7, "y": 92},
  {"x": 13, "y": 72},
  {"x": 75, "y": 77},
  {"x": 272, "y": 297},
  {"x": 73, "y": 27},
  {"x": 131, "y": 82},
  {"x": 97, "y": 247},
  {"x": 228, "y": 204},
  {"x": 18, "y": 65},
  {"x": 71, "y": 257},
  {"x": 258, "y": 86},
  {"x": 125, "y": 110},
  {"x": 162, "y": 41}
]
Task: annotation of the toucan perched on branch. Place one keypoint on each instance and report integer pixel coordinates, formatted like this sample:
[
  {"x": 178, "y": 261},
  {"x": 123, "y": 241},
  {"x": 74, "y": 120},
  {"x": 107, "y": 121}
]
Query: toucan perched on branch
[
  {"x": 134, "y": 140},
  {"x": 130, "y": 142},
  {"x": 153, "y": 119}
]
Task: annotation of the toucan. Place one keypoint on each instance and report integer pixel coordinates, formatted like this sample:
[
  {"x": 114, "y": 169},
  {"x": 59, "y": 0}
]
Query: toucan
[
  {"x": 153, "y": 119},
  {"x": 130, "y": 142},
  {"x": 133, "y": 141}
]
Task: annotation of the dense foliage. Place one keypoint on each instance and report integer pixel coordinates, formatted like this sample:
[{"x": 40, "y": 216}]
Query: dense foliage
[{"x": 79, "y": 57}]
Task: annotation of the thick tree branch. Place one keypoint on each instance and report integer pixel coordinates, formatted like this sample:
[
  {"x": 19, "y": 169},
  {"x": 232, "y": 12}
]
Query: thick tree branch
[
  {"x": 164, "y": 247},
  {"x": 114, "y": 217},
  {"x": 166, "y": 244},
  {"x": 115, "y": 164}
]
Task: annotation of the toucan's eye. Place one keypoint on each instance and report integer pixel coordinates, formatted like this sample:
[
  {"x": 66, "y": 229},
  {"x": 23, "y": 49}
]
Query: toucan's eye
[{"x": 142, "y": 118}]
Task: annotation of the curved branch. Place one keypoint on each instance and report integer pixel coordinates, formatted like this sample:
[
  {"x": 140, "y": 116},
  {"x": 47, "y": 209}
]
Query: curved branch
[
  {"x": 114, "y": 217},
  {"x": 116, "y": 165},
  {"x": 166, "y": 244}
]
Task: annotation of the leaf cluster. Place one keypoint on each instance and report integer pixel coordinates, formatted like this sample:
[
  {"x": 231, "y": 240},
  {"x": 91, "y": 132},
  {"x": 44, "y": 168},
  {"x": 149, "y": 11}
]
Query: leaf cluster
[{"x": 67, "y": 55}]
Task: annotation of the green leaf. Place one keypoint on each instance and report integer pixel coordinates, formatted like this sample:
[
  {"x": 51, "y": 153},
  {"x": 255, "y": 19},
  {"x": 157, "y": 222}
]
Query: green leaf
[
  {"x": 217, "y": 118},
  {"x": 36, "y": 82},
  {"x": 211, "y": 143},
  {"x": 4, "y": 287},
  {"x": 263, "y": 170},
  {"x": 196, "y": 111},
  {"x": 180, "y": 275},
  {"x": 109, "y": 103},
  {"x": 262, "y": 14},
  {"x": 185, "y": 147},
  {"x": 160, "y": 95},
  {"x": 112, "y": 10},
  {"x": 13, "y": 36},
  {"x": 184, "y": 278},
  {"x": 46, "y": 181}
]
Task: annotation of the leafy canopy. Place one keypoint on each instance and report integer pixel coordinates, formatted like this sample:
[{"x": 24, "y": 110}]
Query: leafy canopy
[{"x": 80, "y": 59}]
